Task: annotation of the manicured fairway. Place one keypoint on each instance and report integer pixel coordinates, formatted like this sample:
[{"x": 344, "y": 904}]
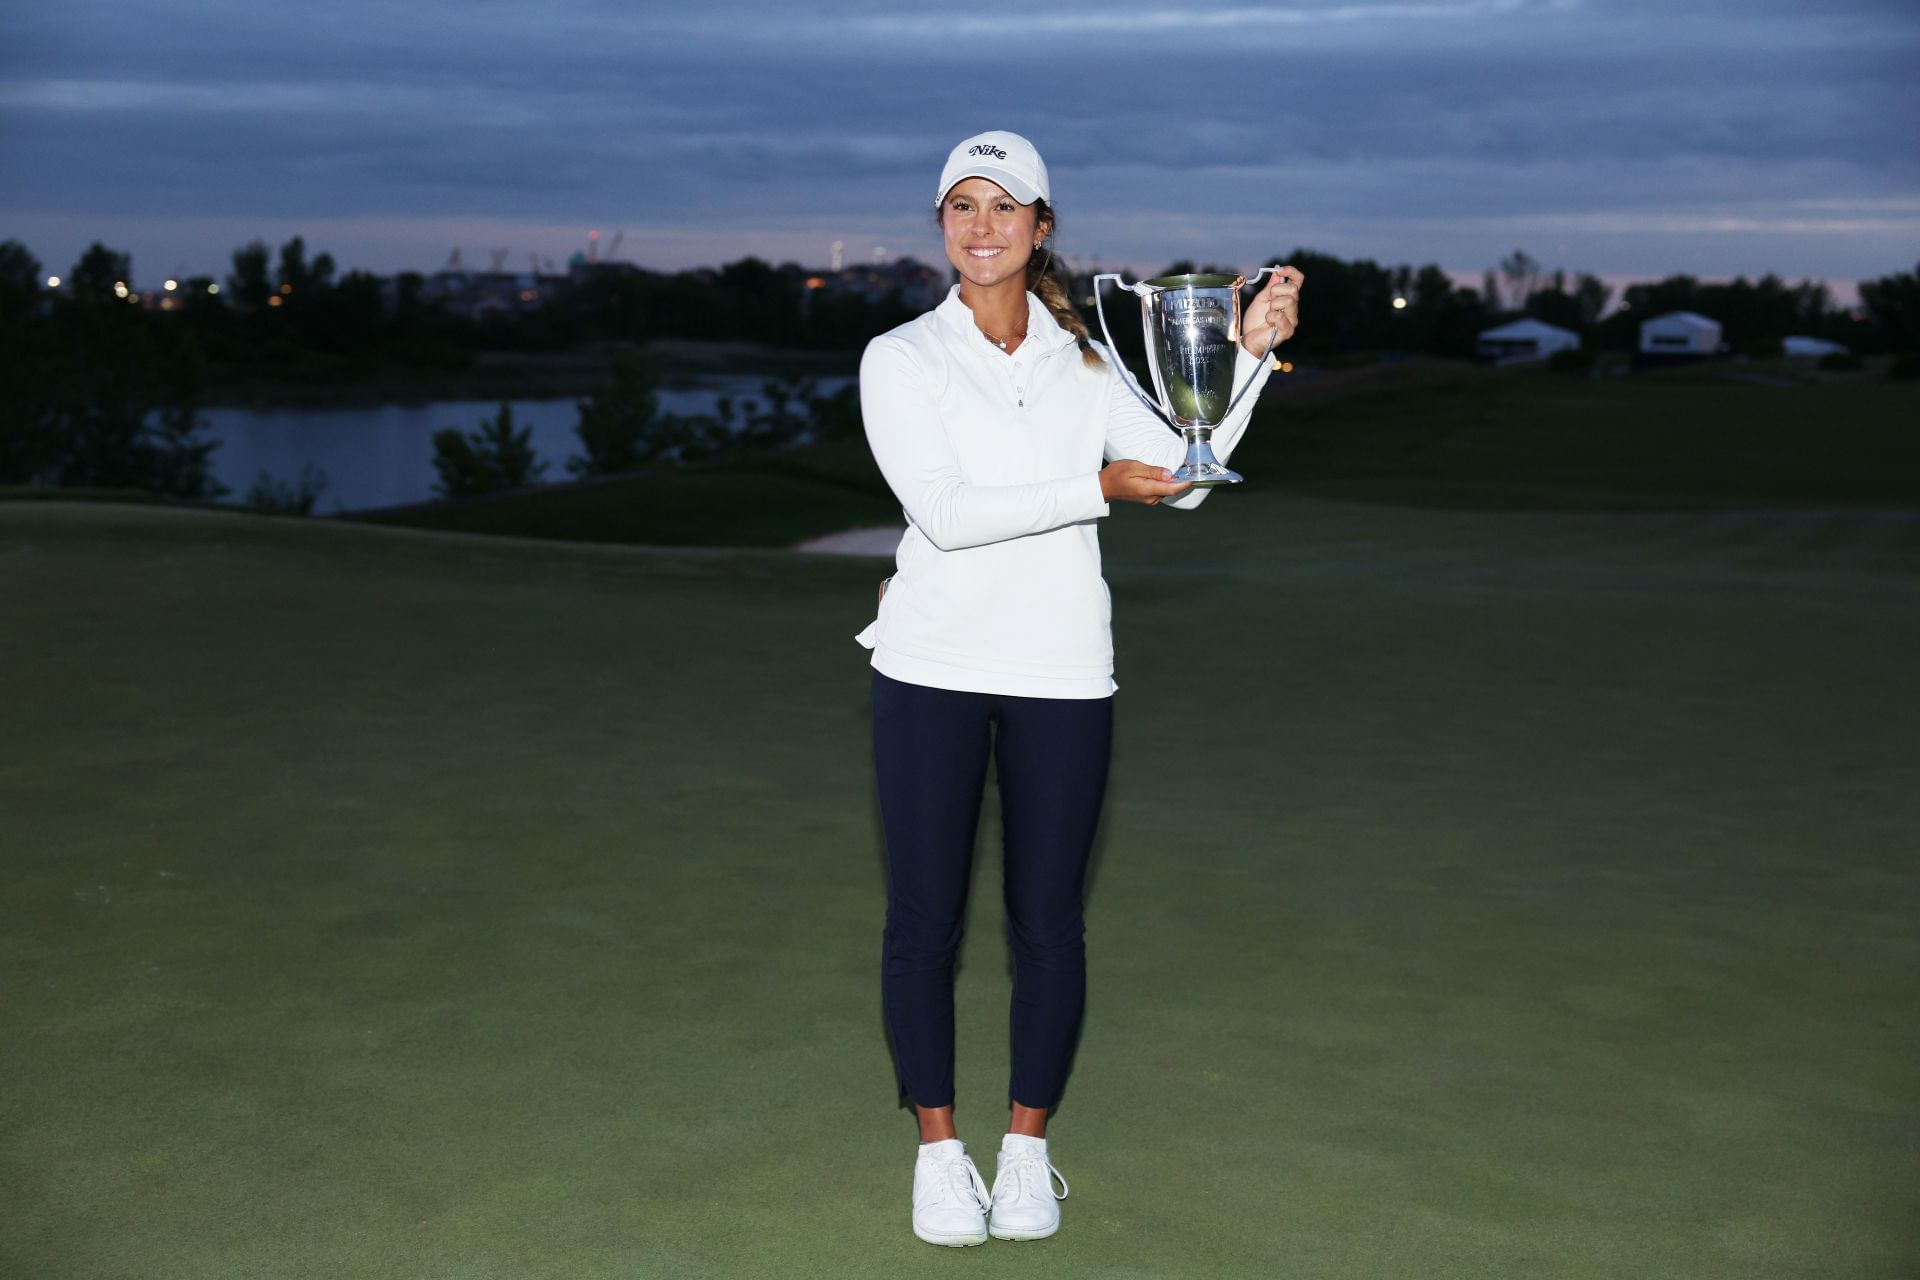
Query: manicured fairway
[{"x": 1481, "y": 895}]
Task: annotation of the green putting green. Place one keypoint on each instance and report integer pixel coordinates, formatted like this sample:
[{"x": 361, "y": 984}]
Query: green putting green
[{"x": 1480, "y": 895}]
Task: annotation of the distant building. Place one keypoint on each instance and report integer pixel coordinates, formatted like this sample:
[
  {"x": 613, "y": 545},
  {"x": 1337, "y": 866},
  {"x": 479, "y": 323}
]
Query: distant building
[
  {"x": 478, "y": 294},
  {"x": 1525, "y": 339},
  {"x": 581, "y": 269},
  {"x": 1679, "y": 335},
  {"x": 1801, "y": 345}
]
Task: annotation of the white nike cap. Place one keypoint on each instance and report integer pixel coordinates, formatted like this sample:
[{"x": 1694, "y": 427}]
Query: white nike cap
[{"x": 997, "y": 156}]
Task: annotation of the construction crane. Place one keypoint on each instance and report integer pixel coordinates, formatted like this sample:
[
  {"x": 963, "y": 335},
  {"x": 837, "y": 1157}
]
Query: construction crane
[
  {"x": 499, "y": 257},
  {"x": 613, "y": 250}
]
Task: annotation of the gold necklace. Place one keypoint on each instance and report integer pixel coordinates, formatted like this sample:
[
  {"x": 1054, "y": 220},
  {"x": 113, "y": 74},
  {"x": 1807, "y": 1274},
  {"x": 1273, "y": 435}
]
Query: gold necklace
[{"x": 1000, "y": 342}]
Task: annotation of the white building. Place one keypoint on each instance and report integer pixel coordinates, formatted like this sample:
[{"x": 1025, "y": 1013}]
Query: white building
[
  {"x": 1680, "y": 333},
  {"x": 1526, "y": 339},
  {"x": 1801, "y": 345}
]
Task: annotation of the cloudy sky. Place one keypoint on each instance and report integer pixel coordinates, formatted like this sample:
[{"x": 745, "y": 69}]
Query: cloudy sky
[{"x": 1633, "y": 138}]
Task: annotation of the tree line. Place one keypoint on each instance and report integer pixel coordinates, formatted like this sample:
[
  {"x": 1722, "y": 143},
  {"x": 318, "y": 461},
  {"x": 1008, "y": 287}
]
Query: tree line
[
  {"x": 97, "y": 392},
  {"x": 1354, "y": 308}
]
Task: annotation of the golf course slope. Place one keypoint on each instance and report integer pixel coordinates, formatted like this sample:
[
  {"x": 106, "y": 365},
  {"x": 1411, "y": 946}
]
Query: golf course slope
[{"x": 1480, "y": 895}]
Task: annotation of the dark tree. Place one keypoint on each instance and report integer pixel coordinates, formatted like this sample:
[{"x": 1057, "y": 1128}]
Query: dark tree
[
  {"x": 347, "y": 319},
  {"x": 297, "y": 276},
  {"x": 616, "y": 426},
  {"x": 102, "y": 413},
  {"x": 250, "y": 286},
  {"x": 100, "y": 275},
  {"x": 29, "y": 428},
  {"x": 1590, "y": 296},
  {"x": 1555, "y": 306},
  {"x": 179, "y": 458},
  {"x": 19, "y": 279},
  {"x": 1524, "y": 277},
  {"x": 1893, "y": 303},
  {"x": 496, "y": 457}
]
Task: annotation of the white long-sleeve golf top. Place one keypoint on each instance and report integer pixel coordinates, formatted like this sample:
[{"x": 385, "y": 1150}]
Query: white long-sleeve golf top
[{"x": 996, "y": 459}]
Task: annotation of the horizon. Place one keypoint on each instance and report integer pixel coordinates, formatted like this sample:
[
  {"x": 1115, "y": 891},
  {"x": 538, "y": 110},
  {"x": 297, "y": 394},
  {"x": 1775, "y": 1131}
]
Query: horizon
[{"x": 1842, "y": 293}]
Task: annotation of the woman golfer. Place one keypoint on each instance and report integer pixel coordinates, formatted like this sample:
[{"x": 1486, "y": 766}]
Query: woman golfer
[{"x": 992, "y": 417}]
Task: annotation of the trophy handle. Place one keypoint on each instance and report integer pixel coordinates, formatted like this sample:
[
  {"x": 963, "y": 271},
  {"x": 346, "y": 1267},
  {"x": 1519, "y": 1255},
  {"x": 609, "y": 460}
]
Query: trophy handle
[
  {"x": 1113, "y": 352},
  {"x": 1272, "y": 342}
]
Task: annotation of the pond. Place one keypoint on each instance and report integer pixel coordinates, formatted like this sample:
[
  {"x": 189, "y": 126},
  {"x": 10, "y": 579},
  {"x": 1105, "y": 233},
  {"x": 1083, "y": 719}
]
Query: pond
[{"x": 383, "y": 456}]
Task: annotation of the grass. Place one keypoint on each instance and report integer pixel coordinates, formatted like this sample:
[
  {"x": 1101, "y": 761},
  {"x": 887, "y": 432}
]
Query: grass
[
  {"x": 1527, "y": 440},
  {"x": 1419, "y": 434},
  {"x": 1537, "y": 898},
  {"x": 758, "y": 502}
]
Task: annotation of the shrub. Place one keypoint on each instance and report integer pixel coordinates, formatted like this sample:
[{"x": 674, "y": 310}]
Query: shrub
[
  {"x": 495, "y": 457},
  {"x": 279, "y": 498},
  {"x": 836, "y": 416},
  {"x": 781, "y": 424},
  {"x": 618, "y": 426},
  {"x": 180, "y": 460}
]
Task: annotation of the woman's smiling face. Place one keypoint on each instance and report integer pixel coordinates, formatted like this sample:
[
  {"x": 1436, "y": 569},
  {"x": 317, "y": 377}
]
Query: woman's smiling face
[{"x": 989, "y": 235}]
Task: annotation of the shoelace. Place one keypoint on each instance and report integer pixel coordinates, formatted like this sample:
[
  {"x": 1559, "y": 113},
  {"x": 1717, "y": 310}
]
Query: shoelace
[
  {"x": 1024, "y": 1167},
  {"x": 963, "y": 1182}
]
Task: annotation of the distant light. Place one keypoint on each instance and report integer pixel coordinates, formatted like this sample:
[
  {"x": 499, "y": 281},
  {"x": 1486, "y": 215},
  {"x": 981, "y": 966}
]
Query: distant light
[
  {"x": 1399, "y": 303},
  {"x": 1626, "y": 306},
  {"x": 53, "y": 282},
  {"x": 213, "y": 288},
  {"x": 119, "y": 288},
  {"x": 286, "y": 288},
  {"x": 274, "y": 301},
  {"x": 815, "y": 282},
  {"x": 171, "y": 285}
]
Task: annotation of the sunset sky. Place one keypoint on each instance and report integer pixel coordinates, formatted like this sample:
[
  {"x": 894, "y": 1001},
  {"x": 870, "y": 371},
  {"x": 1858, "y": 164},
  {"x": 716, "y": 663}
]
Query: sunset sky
[{"x": 1626, "y": 137}]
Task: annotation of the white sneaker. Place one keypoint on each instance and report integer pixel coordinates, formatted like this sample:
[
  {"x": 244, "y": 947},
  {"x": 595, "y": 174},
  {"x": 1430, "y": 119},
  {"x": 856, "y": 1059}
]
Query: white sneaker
[
  {"x": 949, "y": 1195},
  {"x": 1025, "y": 1205}
]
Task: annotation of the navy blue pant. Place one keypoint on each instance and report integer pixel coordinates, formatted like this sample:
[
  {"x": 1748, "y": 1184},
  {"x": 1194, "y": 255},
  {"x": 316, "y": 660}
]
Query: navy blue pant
[{"x": 930, "y": 751}]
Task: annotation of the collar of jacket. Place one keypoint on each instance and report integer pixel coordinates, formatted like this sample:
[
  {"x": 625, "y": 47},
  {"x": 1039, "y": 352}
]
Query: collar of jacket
[{"x": 1042, "y": 328}]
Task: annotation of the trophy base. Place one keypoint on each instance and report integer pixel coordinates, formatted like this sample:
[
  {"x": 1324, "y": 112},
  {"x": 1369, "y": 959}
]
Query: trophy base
[
  {"x": 1201, "y": 469},
  {"x": 1207, "y": 477}
]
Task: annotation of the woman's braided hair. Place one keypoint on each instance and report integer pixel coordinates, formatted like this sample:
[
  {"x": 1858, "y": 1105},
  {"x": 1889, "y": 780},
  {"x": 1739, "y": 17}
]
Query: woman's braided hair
[{"x": 1047, "y": 284}]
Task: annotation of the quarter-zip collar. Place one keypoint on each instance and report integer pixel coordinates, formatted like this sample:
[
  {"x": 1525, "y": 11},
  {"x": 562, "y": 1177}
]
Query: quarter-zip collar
[{"x": 1042, "y": 329}]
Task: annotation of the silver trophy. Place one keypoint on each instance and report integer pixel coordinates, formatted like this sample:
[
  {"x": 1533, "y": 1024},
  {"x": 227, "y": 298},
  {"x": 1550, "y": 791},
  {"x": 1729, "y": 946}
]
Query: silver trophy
[{"x": 1192, "y": 328}]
